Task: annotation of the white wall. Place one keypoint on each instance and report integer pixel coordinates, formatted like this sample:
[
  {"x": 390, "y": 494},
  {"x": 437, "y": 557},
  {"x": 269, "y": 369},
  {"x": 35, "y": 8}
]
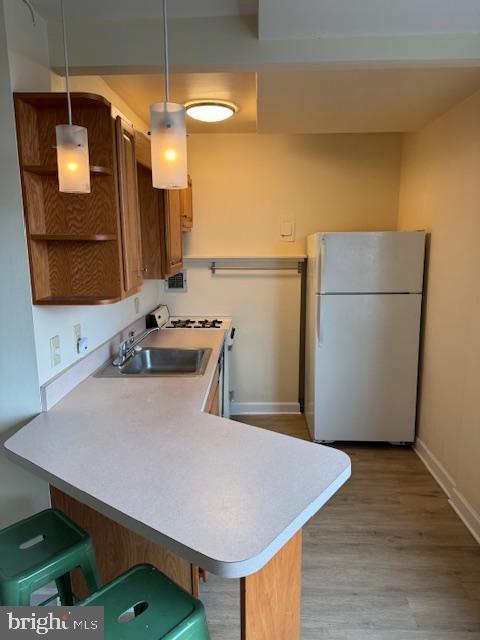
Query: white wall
[
  {"x": 265, "y": 308},
  {"x": 242, "y": 185},
  {"x": 20, "y": 492},
  {"x": 98, "y": 325},
  {"x": 440, "y": 191}
]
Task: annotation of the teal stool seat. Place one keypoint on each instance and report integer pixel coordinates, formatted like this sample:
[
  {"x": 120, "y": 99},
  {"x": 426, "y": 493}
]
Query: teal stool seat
[
  {"x": 143, "y": 604},
  {"x": 42, "y": 548}
]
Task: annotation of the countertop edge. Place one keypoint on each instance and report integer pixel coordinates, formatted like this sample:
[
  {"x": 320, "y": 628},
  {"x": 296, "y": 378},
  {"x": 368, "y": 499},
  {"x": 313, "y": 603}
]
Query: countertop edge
[{"x": 224, "y": 569}]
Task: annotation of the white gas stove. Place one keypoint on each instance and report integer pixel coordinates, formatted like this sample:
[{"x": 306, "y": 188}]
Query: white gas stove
[
  {"x": 161, "y": 317},
  {"x": 200, "y": 322}
]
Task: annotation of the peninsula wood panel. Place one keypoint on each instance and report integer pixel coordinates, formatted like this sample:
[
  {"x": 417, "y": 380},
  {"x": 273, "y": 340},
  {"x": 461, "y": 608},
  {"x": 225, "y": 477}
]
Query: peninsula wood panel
[
  {"x": 271, "y": 598},
  {"x": 117, "y": 548}
]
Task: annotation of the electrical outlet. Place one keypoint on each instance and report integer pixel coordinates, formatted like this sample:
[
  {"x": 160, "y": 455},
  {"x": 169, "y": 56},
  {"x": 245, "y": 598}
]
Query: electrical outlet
[
  {"x": 55, "y": 356},
  {"x": 77, "y": 334},
  {"x": 136, "y": 302}
]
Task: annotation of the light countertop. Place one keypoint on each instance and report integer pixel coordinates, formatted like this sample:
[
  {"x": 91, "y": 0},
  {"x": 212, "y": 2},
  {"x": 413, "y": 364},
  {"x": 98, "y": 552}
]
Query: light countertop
[{"x": 219, "y": 493}]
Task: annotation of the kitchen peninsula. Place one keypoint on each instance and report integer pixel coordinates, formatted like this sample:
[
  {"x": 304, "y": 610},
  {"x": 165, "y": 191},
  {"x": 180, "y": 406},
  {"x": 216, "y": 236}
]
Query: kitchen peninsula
[{"x": 139, "y": 462}]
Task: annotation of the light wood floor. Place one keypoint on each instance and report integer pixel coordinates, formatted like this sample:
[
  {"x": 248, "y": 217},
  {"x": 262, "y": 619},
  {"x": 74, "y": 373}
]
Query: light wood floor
[{"x": 386, "y": 559}]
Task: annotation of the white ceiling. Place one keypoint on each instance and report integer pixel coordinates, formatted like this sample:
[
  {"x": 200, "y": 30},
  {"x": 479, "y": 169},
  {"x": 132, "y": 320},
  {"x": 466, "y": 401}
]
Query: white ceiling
[
  {"x": 360, "y": 94},
  {"x": 85, "y": 10},
  {"x": 321, "y": 101},
  {"x": 287, "y": 19},
  {"x": 139, "y": 91},
  {"x": 313, "y": 18},
  {"x": 359, "y": 100}
]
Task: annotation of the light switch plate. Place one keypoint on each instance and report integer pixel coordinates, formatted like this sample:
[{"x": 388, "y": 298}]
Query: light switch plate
[{"x": 287, "y": 229}]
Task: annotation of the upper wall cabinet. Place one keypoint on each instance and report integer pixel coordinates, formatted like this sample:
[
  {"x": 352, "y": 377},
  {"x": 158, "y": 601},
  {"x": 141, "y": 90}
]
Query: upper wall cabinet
[
  {"x": 186, "y": 207},
  {"x": 83, "y": 248},
  {"x": 162, "y": 216}
]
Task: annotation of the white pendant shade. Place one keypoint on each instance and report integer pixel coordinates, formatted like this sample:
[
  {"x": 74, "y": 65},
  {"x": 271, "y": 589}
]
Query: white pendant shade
[
  {"x": 72, "y": 159},
  {"x": 169, "y": 145}
]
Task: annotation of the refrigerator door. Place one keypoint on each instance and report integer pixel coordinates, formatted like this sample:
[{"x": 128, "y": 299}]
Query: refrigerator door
[
  {"x": 366, "y": 363},
  {"x": 364, "y": 262}
]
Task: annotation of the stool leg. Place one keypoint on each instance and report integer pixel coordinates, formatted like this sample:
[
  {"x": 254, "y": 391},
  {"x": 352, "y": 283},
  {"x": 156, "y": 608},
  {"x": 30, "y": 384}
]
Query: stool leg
[
  {"x": 90, "y": 569},
  {"x": 11, "y": 595},
  {"x": 64, "y": 588}
]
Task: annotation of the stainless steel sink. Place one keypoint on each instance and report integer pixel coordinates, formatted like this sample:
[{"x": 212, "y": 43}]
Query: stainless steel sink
[{"x": 152, "y": 361}]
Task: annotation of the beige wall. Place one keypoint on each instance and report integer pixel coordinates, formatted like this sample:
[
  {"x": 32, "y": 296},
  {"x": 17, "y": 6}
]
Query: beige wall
[
  {"x": 244, "y": 183},
  {"x": 440, "y": 191}
]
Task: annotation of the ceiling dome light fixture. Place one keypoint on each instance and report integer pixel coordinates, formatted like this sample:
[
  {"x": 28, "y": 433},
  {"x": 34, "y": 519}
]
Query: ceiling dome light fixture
[
  {"x": 169, "y": 133},
  {"x": 73, "y": 163},
  {"x": 210, "y": 110}
]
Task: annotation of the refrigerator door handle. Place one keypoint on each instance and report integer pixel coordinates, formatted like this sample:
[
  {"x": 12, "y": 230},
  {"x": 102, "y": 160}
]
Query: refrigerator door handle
[
  {"x": 319, "y": 321},
  {"x": 321, "y": 264}
]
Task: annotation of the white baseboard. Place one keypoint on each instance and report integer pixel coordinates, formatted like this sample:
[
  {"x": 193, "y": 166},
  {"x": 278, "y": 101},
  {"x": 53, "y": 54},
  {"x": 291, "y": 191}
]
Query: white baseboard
[
  {"x": 466, "y": 513},
  {"x": 255, "y": 408},
  {"x": 437, "y": 470},
  {"x": 464, "y": 510}
]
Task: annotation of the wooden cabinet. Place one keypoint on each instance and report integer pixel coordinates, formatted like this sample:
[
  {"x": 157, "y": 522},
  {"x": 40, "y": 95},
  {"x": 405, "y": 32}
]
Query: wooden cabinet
[
  {"x": 186, "y": 206},
  {"x": 129, "y": 207},
  {"x": 213, "y": 401},
  {"x": 160, "y": 220},
  {"x": 173, "y": 230},
  {"x": 152, "y": 225},
  {"x": 83, "y": 248}
]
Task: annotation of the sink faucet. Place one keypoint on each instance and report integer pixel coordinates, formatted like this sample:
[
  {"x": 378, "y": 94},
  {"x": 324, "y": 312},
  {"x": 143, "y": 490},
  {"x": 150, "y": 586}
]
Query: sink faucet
[{"x": 130, "y": 346}]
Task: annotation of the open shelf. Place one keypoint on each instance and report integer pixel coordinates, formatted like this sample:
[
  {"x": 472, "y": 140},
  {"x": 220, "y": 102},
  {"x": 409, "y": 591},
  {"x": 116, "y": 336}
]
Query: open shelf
[
  {"x": 80, "y": 300},
  {"x": 67, "y": 237},
  {"x": 51, "y": 170}
]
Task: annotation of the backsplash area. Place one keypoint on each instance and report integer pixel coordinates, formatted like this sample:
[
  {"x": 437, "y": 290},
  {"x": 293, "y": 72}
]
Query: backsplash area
[{"x": 98, "y": 324}]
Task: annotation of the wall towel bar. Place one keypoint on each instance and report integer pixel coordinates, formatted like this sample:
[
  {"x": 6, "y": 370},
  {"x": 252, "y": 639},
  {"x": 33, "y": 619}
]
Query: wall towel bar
[{"x": 298, "y": 267}]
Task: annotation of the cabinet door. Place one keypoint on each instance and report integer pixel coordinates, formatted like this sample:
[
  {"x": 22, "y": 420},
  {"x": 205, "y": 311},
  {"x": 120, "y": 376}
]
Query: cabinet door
[
  {"x": 152, "y": 225},
  {"x": 186, "y": 206},
  {"x": 129, "y": 209},
  {"x": 173, "y": 231},
  {"x": 213, "y": 401}
]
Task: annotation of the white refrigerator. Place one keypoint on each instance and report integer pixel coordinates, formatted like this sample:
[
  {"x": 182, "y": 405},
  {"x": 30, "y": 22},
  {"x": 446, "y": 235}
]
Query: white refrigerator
[{"x": 364, "y": 297}]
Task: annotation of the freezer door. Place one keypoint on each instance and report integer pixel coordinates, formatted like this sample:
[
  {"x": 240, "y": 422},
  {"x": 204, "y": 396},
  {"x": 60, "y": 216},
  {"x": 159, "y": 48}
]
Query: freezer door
[
  {"x": 366, "y": 367},
  {"x": 364, "y": 262}
]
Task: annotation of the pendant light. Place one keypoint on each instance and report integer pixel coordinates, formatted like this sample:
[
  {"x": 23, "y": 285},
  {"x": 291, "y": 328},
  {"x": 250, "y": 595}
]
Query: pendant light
[
  {"x": 72, "y": 142},
  {"x": 169, "y": 134}
]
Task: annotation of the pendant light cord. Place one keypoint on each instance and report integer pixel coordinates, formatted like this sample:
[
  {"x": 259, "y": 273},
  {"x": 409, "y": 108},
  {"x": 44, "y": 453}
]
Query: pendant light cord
[
  {"x": 165, "y": 52},
  {"x": 67, "y": 75}
]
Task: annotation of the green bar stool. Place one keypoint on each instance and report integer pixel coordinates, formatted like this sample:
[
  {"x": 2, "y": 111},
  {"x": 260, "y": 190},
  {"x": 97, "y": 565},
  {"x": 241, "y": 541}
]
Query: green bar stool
[
  {"x": 143, "y": 604},
  {"x": 42, "y": 548}
]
